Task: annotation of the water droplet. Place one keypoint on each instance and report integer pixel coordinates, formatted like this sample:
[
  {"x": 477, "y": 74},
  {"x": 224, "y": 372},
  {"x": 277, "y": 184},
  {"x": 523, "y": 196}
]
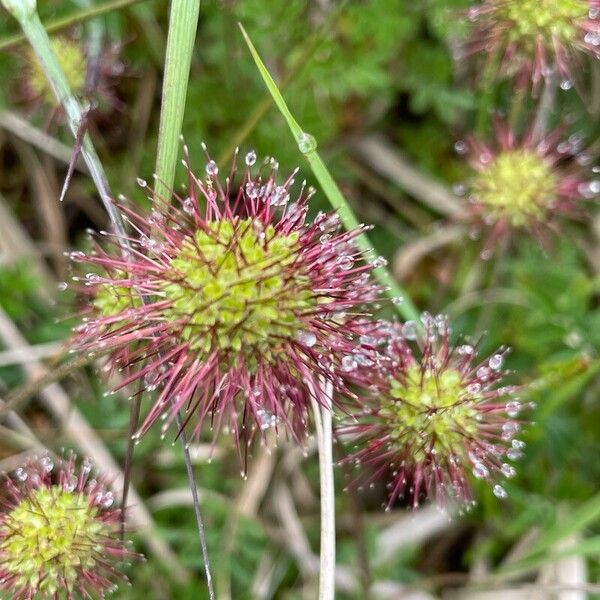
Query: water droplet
[
  {"x": 70, "y": 485},
  {"x": 307, "y": 338},
  {"x": 142, "y": 182},
  {"x": 326, "y": 222},
  {"x": 514, "y": 454},
  {"x": 592, "y": 37},
  {"x": 508, "y": 470},
  {"x": 397, "y": 300},
  {"x": 280, "y": 196},
  {"x": 252, "y": 190},
  {"x": 466, "y": 350},
  {"x": 349, "y": 363},
  {"x": 156, "y": 218},
  {"x": 266, "y": 419},
  {"x": 345, "y": 262},
  {"x": 474, "y": 388},
  {"x": 480, "y": 471},
  {"x": 499, "y": 491},
  {"x": 460, "y": 189},
  {"x": 461, "y": 147},
  {"x": 306, "y": 143},
  {"x": 509, "y": 429},
  {"x": 380, "y": 261},
  {"x": 47, "y": 464},
  {"x": 77, "y": 256},
  {"x": 362, "y": 360},
  {"x": 62, "y": 286},
  {"x": 409, "y": 330},
  {"x": 566, "y": 84},
  {"x": 513, "y": 408},
  {"x": 484, "y": 373},
  {"x": 368, "y": 340},
  {"x": 250, "y": 158},
  {"x": 86, "y": 466},
  {"x": 211, "y": 168},
  {"x": 496, "y": 361}
]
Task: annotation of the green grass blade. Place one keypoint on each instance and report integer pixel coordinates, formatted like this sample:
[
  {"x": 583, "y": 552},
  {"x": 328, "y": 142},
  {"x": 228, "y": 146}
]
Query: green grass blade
[
  {"x": 183, "y": 22},
  {"x": 307, "y": 146}
]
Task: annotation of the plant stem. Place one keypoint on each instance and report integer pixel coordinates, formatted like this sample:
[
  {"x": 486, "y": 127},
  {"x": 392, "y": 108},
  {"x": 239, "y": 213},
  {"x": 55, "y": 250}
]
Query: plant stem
[
  {"x": 183, "y": 22},
  {"x": 40, "y": 42},
  {"x": 196, "y": 501},
  {"x": 323, "y": 426},
  {"x": 38, "y": 38},
  {"x": 308, "y": 147}
]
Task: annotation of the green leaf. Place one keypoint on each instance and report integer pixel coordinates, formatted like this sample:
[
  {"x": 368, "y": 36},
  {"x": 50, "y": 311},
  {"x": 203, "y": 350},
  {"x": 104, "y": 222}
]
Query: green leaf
[{"x": 183, "y": 22}]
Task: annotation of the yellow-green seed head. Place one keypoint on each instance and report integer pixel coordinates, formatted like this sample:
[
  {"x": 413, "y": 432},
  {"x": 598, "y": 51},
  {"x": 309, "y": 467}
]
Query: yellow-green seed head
[
  {"x": 72, "y": 61},
  {"x": 112, "y": 299},
  {"x": 234, "y": 288},
  {"x": 517, "y": 186},
  {"x": 544, "y": 19},
  {"x": 48, "y": 538},
  {"x": 429, "y": 410}
]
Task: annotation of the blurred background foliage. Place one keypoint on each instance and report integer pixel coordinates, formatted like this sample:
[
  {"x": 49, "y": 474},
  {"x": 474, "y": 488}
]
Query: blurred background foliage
[{"x": 349, "y": 71}]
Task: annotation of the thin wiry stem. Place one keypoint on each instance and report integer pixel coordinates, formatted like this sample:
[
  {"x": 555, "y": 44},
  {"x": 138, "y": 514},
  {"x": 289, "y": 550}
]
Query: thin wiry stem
[
  {"x": 197, "y": 511},
  {"x": 38, "y": 38},
  {"x": 40, "y": 42},
  {"x": 323, "y": 426}
]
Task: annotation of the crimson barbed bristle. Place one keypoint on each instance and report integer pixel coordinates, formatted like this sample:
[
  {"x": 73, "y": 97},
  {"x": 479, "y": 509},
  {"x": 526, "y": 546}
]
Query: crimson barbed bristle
[
  {"x": 232, "y": 304},
  {"x": 59, "y": 532},
  {"x": 433, "y": 415},
  {"x": 536, "y": 39},
  {"x": 526, "y": 182}
]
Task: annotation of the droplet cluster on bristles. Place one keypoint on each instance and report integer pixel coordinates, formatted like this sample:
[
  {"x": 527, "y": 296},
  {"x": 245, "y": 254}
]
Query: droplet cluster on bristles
[
  {"x": 232, "y": 303},
  {"x": 524, "y": 182},
  {"x": 434, "y": 415},
  {"x": 536, "y": 39},
  {"x": 59, "y": 532}
]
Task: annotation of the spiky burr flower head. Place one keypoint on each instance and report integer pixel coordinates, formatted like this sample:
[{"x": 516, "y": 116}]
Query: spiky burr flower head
[
  {"x": 435, "y": 415},
  {"x": 71, "y": 57},
  {"x": 535, "y": 38},
  {"x": 246, "y": 303},
  {"x": 59, "y": 532},
  {"x": 520, "y": 182},
  {"x": 94, "y": 79}
]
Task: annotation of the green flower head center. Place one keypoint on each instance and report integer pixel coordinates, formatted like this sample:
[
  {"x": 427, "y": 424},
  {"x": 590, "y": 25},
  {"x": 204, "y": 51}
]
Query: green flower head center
[
  {"x": 545, "y": 19},
  {"x": 237, "y": 286},
  {"x": 429, "y": 411},
  {"x": 114, "y": 299},
  {"x": 49, "y": 537},
  {"x": 518, "y": 185},
  {"x": 73, "y": 63}
]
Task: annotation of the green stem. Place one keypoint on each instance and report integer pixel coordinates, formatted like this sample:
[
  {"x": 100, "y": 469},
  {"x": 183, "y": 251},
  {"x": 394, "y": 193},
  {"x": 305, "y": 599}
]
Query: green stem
[
  {"x": 308, "y": 147},
  {"x": 40, "y": 42},
  {"x": 324, "y": 431},
  {"x": 183, "y": 22}
]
